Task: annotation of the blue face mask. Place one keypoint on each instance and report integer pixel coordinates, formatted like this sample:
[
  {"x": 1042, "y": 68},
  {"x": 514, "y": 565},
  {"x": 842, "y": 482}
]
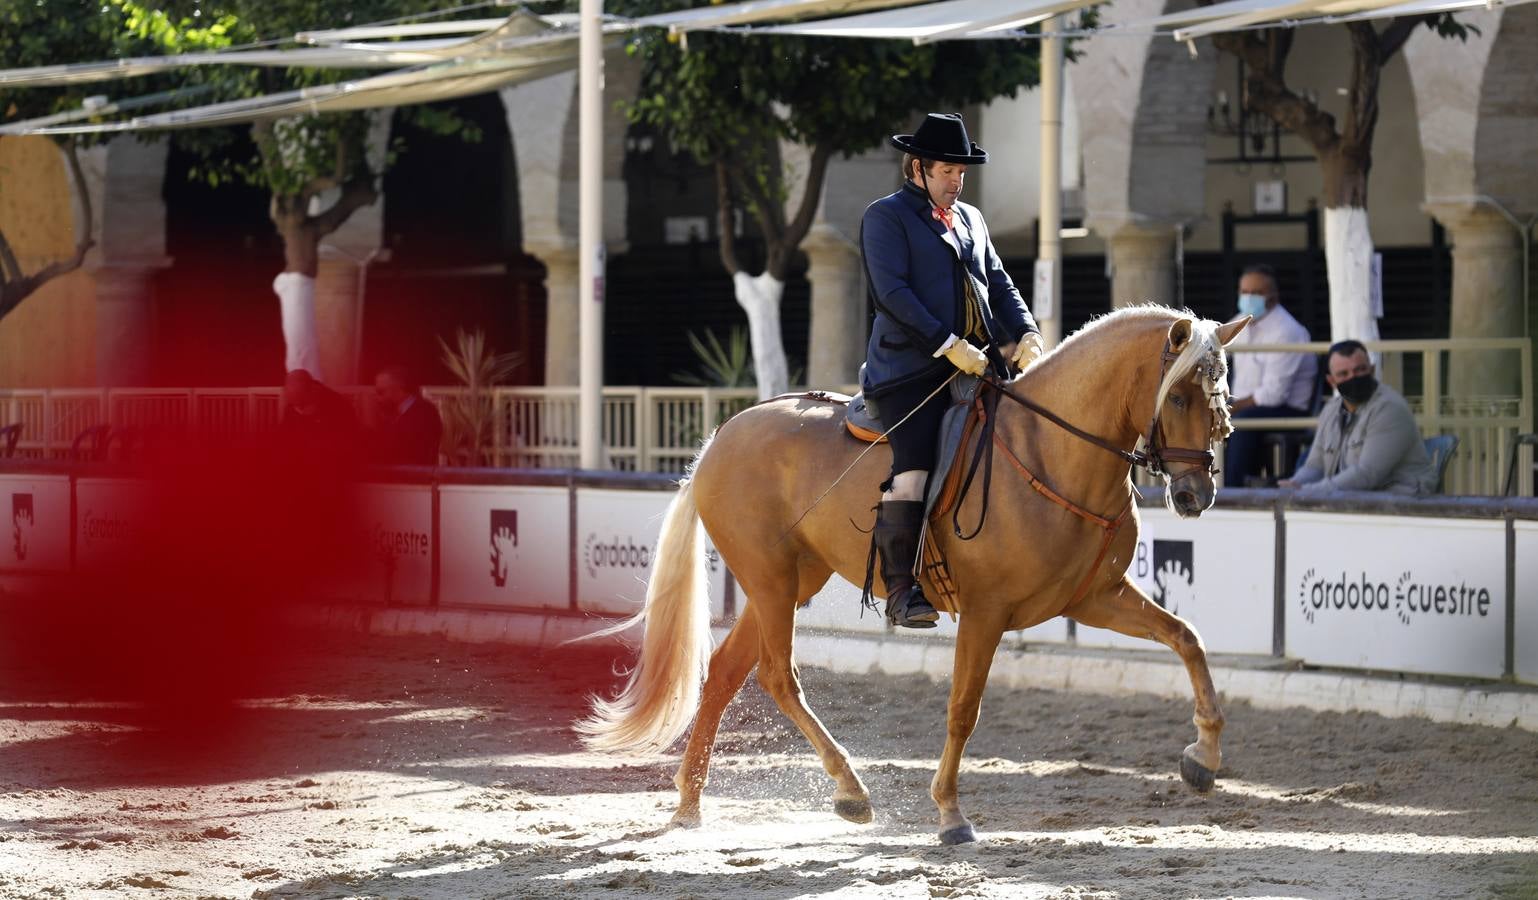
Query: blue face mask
[{"x": 1252, "y": 305}]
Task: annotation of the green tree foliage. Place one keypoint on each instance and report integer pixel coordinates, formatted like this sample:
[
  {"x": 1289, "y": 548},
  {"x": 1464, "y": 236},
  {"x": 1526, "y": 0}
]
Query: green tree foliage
[
  {"x": 729, "y": 99},
  {"x": 296, "y": 160},
  {"x": 42, "y": 33}
]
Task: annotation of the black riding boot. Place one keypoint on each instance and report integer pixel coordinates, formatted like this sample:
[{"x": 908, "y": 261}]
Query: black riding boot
[{"x": 898, "y": 523}]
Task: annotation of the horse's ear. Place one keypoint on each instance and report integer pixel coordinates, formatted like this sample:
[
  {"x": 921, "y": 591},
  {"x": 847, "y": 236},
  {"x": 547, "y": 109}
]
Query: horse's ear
[
  {"x": 1230, "y": 330},
  {"x": 1180, "y": 334}
]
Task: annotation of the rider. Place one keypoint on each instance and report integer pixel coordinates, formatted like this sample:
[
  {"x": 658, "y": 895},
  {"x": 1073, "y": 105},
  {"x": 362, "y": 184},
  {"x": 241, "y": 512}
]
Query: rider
[{"x": 943, "y": 302}]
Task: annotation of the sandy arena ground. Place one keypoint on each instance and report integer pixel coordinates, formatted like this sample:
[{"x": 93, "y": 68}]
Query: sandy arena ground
[{"x": 422, "y": 768}]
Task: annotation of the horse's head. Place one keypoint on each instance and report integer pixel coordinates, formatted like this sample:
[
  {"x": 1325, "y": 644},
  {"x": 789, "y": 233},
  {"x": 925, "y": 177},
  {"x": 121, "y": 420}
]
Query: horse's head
[{"x": 1191, "y": 413}]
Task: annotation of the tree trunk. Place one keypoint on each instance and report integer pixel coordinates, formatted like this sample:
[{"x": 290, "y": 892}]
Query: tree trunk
[
  {"x": 759, "y": 296},
  {"x": 16, "y": 285},
  {"x": 295, "y": 287},
  {"x": 1348, "y": 247}
]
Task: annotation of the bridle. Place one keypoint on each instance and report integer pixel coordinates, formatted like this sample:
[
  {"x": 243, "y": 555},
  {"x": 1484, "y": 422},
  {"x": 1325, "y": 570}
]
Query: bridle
[{"x": 1151, "y": 452}]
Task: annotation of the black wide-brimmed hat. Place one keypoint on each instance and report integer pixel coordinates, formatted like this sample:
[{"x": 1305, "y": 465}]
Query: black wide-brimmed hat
[{"x": 942, "y": 137}]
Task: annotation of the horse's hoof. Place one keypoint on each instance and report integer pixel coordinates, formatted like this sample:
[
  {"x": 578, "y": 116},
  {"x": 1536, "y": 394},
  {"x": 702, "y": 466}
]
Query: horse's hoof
[
  {"x": 682, "y": 819},
  {"x": 961, "y": 834},
  {"x": 855, "y": 809},
  {"x": 1197, "y": 775}
]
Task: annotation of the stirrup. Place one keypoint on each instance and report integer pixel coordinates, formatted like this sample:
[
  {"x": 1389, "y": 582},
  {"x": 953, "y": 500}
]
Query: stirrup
[{"x": 913, "y": 611}]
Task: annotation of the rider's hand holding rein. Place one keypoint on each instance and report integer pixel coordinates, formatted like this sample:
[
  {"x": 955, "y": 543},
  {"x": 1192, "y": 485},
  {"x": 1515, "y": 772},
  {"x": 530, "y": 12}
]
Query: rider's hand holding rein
[
  {"x": 966, "y": 357},
  {"x": 1027, "y": 352}
]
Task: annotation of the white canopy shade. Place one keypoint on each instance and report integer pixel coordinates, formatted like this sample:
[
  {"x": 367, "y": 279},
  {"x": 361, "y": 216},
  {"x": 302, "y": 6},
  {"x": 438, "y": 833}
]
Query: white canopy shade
[
  {"x": 1424, "y": 7},
  {"x": 1280, "y": 12},
  {"x": 519, "y": 24},
  {"x": 749, "y": 11},
  {"x": 951, "y": 18},
  {"x": 385, "y": 32},
  {"x": 538, "y": 57}
]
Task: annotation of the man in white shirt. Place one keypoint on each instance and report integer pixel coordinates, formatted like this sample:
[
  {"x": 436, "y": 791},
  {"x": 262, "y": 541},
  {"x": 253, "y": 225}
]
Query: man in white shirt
[{"x": 1264, "y": 385}]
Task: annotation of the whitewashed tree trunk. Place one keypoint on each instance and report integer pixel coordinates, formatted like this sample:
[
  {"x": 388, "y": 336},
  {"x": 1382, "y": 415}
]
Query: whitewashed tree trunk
[
  {"x": 1348, "y": 260},
  {"x": 301, "y": 334},
  {"x": 759, "y": 296}
]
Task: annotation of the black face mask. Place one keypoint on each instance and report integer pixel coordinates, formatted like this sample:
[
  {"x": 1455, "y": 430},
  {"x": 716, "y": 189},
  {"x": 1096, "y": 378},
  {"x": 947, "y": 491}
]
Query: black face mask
[{"x": 1357, "y": 390}]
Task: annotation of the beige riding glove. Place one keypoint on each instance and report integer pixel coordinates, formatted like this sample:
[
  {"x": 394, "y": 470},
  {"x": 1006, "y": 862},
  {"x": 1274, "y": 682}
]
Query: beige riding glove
[
  {"x": 966, "y": 357},
  {"x": 1027, "y": 352}
]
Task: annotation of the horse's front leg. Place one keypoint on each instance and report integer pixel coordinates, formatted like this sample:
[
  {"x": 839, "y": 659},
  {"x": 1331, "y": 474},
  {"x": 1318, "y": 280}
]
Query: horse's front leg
[
  {"x": 1125, "y": 608},
  {"x": 977, "y": 640}
]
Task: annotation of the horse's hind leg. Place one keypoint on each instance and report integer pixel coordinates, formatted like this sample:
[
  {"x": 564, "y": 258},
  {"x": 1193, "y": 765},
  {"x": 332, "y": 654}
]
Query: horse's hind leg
[
  {"x": 775, "y": 600},
  {"x": 729, "y": 667},
  {"x": 1125, "y": 608}
]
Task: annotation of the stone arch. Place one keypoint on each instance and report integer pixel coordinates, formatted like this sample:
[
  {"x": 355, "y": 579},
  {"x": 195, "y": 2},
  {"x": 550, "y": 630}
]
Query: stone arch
[
  {"x": 1478, "y": 107},
  {"x": 1506, "y": 130},
  {"x": 1142, "y": 113},
  {"x": 542, "y": 119}
]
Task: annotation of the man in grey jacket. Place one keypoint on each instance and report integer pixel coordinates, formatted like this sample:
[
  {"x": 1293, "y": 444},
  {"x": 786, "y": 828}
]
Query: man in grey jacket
[{"x": 1367, "y": 438}]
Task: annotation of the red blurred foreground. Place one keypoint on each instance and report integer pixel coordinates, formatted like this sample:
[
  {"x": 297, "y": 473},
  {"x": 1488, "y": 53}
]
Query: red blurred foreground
[{"x": 195, "y": 604}]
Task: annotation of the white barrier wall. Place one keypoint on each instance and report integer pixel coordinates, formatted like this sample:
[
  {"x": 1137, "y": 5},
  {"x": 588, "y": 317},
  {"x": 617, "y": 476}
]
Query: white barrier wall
[
  {"x": 504, "y": 546},
  {"x": 1527, "y": 601},
  {"x": 617, "y": 533},
  {"x": 398, "y": 530},
  {"x": 1386, "y": 592},
  {"x": 1402, "y": 593},
  {"x": 1216, "y": 572},
  {"x": 35, "y": 539},
  {"x": 110, "y": 515}
]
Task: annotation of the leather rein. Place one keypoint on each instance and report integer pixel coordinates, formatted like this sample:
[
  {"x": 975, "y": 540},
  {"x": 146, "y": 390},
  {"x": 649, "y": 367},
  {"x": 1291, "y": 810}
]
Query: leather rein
[{"x": 1153, "y": 453}]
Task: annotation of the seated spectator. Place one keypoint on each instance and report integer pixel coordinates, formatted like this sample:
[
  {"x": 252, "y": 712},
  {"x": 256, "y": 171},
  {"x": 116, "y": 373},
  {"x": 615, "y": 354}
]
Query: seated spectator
[
  {"x": 1264, "y": 385},
  {"x": 1367, "y": 439},
  {"x": 314, "y": 416},
  {"x": 411, "y": 428}
]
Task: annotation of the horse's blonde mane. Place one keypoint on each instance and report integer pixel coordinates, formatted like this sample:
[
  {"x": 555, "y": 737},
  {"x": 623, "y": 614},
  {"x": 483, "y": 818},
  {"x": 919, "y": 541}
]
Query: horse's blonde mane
[{"x": 1201, "y": 359}]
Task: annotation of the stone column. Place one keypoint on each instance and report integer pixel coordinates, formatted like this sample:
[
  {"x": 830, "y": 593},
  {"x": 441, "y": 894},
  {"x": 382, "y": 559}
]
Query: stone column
[
  {"x": 562, "y": 333},
  {"x": 125, "y": 321},
  {"x": 1142, "y": 264},
  {"x": 342, "y": 273},
  {"x": 338, "y": 316},
  {"x": 1487, "y": 296},
  {"x": 837, "y": 344},
  {"x": 543, "y": 130},
  {"x": 125, "y": 177}
]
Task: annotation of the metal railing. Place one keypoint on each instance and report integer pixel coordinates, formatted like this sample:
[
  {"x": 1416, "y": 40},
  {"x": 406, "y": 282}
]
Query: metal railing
[{"x": 659, "y": 429}]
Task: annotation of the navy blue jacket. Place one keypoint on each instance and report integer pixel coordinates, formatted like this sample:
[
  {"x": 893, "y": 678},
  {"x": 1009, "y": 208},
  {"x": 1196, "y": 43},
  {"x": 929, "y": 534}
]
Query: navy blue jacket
[{"x": 916, "y": 283}]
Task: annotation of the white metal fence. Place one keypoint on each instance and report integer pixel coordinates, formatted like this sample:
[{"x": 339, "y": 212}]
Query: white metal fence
[{"x": 659, "y": 429}]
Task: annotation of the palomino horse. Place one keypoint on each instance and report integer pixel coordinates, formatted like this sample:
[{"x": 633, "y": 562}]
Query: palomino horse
[{"x": 1141, "y": 383}]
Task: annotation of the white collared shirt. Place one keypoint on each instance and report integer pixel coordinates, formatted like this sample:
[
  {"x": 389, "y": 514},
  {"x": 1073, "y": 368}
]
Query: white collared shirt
[{"x": 1273, "y": 379}]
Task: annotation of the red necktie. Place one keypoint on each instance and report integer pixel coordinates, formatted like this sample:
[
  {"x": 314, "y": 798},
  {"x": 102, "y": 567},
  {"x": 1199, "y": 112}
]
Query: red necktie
[{"x": 942, "y": 215}]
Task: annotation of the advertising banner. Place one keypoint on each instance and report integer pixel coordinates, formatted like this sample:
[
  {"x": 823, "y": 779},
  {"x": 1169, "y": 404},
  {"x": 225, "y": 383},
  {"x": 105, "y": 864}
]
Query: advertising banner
[
  {"x": 1527, "y": 602},
  {"x": 617, "y": 533},
  {"x": 1398, "y": 593},
  {"x": 504, "y": 546},
  {"x": 110, "y": 519},
  {"x": 397, "y": 566},
  {"x": 35, "y": 536},
  {"x": 1217, "y": 572}
]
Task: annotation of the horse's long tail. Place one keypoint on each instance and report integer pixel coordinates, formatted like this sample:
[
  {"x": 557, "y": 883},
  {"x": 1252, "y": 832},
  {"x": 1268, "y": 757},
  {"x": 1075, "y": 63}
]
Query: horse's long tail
[{"x": 663, "y": 693}]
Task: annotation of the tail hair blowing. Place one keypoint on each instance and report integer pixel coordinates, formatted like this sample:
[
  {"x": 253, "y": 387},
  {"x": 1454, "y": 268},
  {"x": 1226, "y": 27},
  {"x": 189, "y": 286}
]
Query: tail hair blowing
[{"x": 662, "y": 695}]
